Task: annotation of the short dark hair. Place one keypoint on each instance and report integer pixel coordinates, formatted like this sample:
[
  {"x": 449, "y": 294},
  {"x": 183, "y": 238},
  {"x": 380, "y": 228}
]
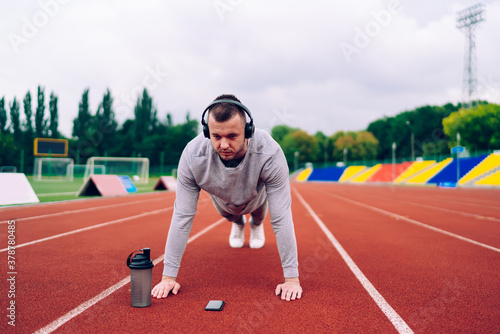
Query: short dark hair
[{"x": 225, "y": 111}]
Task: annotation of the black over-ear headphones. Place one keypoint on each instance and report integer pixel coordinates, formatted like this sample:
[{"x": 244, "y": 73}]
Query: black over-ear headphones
[{"x": 249, "y": 127}]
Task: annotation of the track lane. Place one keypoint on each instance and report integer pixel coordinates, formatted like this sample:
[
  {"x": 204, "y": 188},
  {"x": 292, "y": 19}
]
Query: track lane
[
  {"x": 40, "y": 209},
  {"x": 467, "y": 209},
  {"x": 246, "y": 280},
  {"x": 88, "y": 208},
  {"x": 480, "y": 199},
  {"x": 427, "y": 225},
  {"x": 55, "y": 276},
  {"x": 478, "y": 228},
  {"x": 438, "y": 284},
  {"x": 475, "y": 198},
  {"x": 420, "y": 274},
  {"x": 96, "y": 299},
  {"x": 460, "y": 212},
  {"x": 387, "y": 309},
  {"x": 61, "y": 274},
  {"x": 67, "y": 221}
]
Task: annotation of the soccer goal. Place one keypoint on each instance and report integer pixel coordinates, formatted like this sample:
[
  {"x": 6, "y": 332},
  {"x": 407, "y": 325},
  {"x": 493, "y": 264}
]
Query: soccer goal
[
  {"x": 53, "y": 169},
  {"x": 136, "y": 168},
  {"x": 79, "y": 170}
]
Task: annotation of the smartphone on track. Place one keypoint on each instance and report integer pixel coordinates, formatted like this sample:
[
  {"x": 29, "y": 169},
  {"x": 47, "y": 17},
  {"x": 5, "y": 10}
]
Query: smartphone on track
[{"x": 215, "y": 305}]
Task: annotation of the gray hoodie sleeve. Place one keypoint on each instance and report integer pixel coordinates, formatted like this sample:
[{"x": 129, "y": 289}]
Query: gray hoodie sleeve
[
  {"x": 187, "y": 194},
  {"x": 275, "y": 175}
]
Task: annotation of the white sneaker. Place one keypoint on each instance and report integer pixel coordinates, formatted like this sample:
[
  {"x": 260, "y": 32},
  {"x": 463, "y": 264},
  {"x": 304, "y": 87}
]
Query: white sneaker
[
  {"x": 237, "y": 236},
  {"x": 257, "y": 237}
]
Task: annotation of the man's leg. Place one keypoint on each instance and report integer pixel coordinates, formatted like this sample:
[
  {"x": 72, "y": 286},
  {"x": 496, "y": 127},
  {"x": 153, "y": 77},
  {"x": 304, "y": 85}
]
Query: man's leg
[
  {"x": 257, "y": 237},
  {"x": 237, "y": 235}
]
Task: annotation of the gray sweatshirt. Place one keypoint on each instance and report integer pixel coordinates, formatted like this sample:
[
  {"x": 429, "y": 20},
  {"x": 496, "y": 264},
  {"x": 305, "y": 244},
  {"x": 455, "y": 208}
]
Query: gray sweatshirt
[{"x": 261, "y": 175}]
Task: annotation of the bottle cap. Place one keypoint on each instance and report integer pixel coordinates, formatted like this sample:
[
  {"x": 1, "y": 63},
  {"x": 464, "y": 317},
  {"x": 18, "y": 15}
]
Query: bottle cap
[{"x": 140, "y": 260}]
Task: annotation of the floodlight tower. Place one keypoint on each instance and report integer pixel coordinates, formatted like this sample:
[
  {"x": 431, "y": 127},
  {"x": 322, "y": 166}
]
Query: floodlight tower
[{"x": 467, "y": 20}]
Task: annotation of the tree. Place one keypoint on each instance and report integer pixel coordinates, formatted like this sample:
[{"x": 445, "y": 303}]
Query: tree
[
  {"x": 479, "y": 127},
  {"x": 279, "y": 132},
  {"x": 170, "y": 121},
  {"x": 382, "y": 129},
  {"x": 343, "y": 141},
  {"x": 29, "y": 133},
  {"x": 28, "y": 115},
  {"x": 125, "y": 140},
  {"x": 302, "y": 142},
  {"x": 105, "y": 124},
  {"x": 143, "y": 116},
  {"x": 424, "y": 122},
  {"x": 15, "y": 121},
  {"x": 8, "y": 154},
  {"x": 106, "y": 117},
  {"x": 367, "y": 145},
  {"x": 3, "y": 117},
  {"x": 8, "y": 147},
  {"x": 174, "y": 139},
  {"x": 84, "y": 118},
  {"x": 40, "y": 121},
  {"x": 360, "y": 146},
  {"x": 325, "y": 146},
  {"x": 84, "y": 130},
  {"x": 54, "y": 118},
  {"x": 189, "y": 129}
]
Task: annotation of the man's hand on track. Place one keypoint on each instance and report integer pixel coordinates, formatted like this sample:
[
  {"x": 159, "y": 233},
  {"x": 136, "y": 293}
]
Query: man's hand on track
[
  {"x": 290, "y": 290},
  {"x": 167, "y": 285}
]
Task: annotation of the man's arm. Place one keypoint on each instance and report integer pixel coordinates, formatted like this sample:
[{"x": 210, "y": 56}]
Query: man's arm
[
  {"x": 187, "y": 193},
  {"x": 279, "y": 198}
]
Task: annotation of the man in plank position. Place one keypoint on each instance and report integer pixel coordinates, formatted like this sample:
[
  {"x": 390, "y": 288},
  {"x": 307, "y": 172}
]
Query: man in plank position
[{"x": 245, "y": 171}]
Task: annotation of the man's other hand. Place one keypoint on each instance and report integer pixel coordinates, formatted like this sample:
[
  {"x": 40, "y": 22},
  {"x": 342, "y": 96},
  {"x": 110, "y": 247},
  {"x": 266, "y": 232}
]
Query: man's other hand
[
  {"x": 290, "y": 290},
  {"x": 162, "y": 289}
]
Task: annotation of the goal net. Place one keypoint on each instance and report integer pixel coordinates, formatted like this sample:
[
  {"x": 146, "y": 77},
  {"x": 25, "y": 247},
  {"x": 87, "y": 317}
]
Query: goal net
[
  {"x": 53, "y": 169},
  {"x": 79, "y": 170},
  {"x": 136, "y": 168}
]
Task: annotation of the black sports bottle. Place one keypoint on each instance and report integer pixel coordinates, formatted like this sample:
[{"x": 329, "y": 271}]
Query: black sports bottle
[{"x": 141, "y": 277}]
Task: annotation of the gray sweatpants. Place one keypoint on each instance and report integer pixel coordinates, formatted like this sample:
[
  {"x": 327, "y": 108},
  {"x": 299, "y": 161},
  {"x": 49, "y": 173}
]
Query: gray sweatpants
[{"x": 258, "y": 214}]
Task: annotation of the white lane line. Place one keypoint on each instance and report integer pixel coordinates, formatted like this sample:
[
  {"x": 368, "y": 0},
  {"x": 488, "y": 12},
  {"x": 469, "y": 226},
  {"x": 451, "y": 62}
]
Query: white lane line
[
  {"x": 91, "y": 302},
  {"x": 409, "y": 220},
  {"x": 488, "y": 206},
  {"x": 390, "y": 313},
  {"x": 121, "y": 220},
  {"x": 466, "y": 214},
  {"x": 82, "y": 210}
]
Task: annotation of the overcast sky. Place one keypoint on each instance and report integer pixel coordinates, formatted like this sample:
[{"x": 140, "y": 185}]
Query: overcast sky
[{"x": 318, "y": 65}]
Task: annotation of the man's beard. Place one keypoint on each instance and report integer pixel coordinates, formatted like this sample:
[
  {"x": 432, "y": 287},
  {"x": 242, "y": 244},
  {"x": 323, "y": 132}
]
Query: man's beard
[{"x": 232, "y": 156}]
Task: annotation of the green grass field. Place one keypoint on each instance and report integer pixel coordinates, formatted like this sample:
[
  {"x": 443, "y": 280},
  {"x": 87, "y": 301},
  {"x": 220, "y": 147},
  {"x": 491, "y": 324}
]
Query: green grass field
[{"x": 51, "y": 191}]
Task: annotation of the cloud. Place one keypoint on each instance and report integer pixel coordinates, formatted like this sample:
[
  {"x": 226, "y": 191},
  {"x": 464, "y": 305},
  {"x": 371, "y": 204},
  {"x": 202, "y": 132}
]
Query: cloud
[{"x": 283, "y": 59}]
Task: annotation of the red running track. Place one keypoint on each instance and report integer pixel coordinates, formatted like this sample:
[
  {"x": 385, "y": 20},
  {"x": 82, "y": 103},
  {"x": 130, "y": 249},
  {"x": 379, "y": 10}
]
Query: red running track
[{"x": 372, "y": 259}]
